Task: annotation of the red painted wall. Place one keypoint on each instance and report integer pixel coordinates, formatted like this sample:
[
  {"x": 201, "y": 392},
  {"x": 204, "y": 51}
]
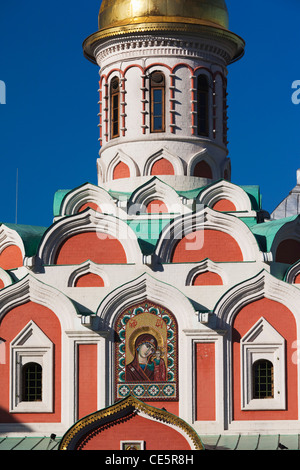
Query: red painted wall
[
  {"x": 11, "y": 258},
  {"x": 121, "y": 170},
  {"x": 203, "y": 170},
  {"x": 223, "y": 205},
  {"x": 208, "y": 279},
  {"x": 205, "y": 382},
  {"x": 91, "y": 205},
  {"x": 162, "y": 167},
  {"x": 158, "y": 436},
  {"x": 11, "y": 325},
  {"x": 87, "y": 379},
  {"x": 89, "y": 280},
  {"x": 91, "y": 246},
  {"x": 283, "y": 321},
  {"x": 157, "y": 207},
  {"x": 204, "y": 244}
]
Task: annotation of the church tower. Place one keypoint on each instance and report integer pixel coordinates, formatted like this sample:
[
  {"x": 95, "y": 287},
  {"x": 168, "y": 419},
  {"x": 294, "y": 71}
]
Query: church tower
[{"x": 163, "y": 91}]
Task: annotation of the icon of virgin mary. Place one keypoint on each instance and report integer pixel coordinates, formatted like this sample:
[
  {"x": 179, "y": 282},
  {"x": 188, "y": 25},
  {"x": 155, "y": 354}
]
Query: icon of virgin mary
[{"x": 141, "y": 369}]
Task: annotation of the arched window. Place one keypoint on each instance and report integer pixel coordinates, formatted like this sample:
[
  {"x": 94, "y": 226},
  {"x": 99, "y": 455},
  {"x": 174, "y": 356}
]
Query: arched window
[
  {"x": 115, "y": 107},
  {"x": 32, "y": 382},
  {"x": 202, "y": 106},
  {"x": 263, "y": 379},
  {"x": 157, "y": 102}
]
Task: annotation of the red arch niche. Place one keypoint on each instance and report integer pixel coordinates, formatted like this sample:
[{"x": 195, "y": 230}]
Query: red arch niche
[
  {"x": 96, "y": 247},
  {"x": 208, "y": 279},
  {"x": 224, "y": 205},
  {"x": 121, "y": 170},
  {"x": 203, "y": 170},
  {"x": 288, "y": 251},
  {"x": 89, "y": 280},
  {"x": 203, "y": 244},
  {"x": 157, "y": 207},
  {"x": 91, "y": 205},
  {"x": 162, "y": 167},
  {"x": 11, "y": 258}
]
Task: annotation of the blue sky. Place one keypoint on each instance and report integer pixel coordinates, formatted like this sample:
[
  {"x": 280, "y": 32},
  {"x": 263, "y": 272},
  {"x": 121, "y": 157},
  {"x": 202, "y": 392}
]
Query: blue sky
[{"x": 48, "y": 126}]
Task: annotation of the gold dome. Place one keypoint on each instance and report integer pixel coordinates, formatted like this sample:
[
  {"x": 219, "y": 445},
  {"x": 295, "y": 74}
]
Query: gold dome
[
  {"x": 207, "y": 18},
  {"x": 120, "y": 13}
]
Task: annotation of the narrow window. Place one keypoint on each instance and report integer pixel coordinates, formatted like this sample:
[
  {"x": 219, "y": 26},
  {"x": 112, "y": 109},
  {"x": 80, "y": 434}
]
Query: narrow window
[
  {"x": 114, "y": 107},
  {"x": 157, "y": 99},
  {"x": 202, "y": 106},
  {"x": 32, "y": 382},
  {"x": 263, "y": 379}
]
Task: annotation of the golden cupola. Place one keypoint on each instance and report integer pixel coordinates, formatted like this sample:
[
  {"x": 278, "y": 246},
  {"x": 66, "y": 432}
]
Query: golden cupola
[{"x": 200, "y": 17}]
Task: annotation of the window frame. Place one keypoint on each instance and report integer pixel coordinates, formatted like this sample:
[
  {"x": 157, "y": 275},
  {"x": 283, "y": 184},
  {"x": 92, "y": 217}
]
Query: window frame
[
  {"x": 263, "y": 342},
  {"x": 156, "y": 86},
  {"x": 203, "y": 90},
  {"x": 31, "y": 345},
  {"x": 114, "y": 94}
]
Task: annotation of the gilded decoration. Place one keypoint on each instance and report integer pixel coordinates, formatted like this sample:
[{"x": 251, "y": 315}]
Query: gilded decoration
[
  {"x": 98, "y": 422},
  {"x": 146, "y": 354}
]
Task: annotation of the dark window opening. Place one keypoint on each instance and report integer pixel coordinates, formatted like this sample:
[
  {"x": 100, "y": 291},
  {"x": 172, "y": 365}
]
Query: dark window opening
[
  {"x": 115, "y": 107},
  {"x": 32, "y": 382},
  {"x": 263, "y": 379},
  {"x": 157, "y": 98},
  {"x": 202, "y": 106}
]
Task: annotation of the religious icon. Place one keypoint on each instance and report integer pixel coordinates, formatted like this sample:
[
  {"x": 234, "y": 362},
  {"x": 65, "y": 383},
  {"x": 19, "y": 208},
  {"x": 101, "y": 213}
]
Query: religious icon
[{"x": 146, "y": 355}]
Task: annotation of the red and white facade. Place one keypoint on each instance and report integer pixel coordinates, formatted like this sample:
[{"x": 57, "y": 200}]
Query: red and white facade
[{"x": 164, "y": 246}]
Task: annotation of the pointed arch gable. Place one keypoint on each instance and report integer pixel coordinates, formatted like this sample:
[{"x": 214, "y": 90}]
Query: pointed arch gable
[
  {"x": 164, "y": 154},
  {"x": 85, "y": 194},
  {"x": 91, "y": 430},
  {"x": 12, "y": 250},
  {"x": 206, "y": 266},
  {"x": 121, "y": 157},
  {"x": 154, "y": 189},
  {"x": 286, "y": 243},
  {"x": 141, "y": 289},
  {"x": 209, "y": 162},
  {"x": 85, "y": 269},
  {"x": 224, "y": 190},
  {"x": 190, "y": 225},
  {"x": 263, "y": 285},
  {"x": 30, "y": 289},
  {"x": 101, "y": 227}
]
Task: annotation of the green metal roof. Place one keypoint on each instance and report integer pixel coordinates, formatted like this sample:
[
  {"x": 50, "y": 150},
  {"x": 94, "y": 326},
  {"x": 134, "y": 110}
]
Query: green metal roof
[
  {"x": 210, "y": 442},
  {"x": 31, "y": 236},
  {"x": 266, "y": 232}
]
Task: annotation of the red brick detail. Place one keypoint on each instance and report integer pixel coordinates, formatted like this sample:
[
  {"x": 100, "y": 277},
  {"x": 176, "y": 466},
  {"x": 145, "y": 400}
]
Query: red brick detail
[
  {"x": 205, "y": 382},
  {"x": 223, "y": 205},
  {"x": 12, "y": 324},
  {"x": 203, "y": 170},
  {"x": 203, "y": 244},
  {"x": 87, "y": 379},
  {"x": 1, "y": 284},
  {"x": 91, "y": 205},
  {"x": 121, "y": 170},
  {"x": 89, "y": 280},
  {"x": 11, "y": 258},
  {"x": 162, "y": 167},
  {"x": 208, "y": 279},
  {"x": 273, "y": 312},
  {"x": 97, "y": 247},
  {"x": 288, "y": 251},
  {"x": 157, "y": 207},
  {"x": 137, "y": 428}
]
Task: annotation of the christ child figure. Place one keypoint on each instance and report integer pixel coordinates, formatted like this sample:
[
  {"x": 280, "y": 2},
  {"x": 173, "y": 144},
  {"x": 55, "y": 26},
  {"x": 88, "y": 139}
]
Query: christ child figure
[{"x": 159, "y": 366}]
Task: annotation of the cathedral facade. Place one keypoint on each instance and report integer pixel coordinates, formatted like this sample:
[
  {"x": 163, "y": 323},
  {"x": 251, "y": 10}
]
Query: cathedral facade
[{"x": 162, "y": 305}]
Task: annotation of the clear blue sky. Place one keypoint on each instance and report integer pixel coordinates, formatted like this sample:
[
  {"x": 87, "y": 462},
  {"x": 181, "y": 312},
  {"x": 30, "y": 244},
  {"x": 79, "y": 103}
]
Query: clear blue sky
[{"x": 48, "y": 128}]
